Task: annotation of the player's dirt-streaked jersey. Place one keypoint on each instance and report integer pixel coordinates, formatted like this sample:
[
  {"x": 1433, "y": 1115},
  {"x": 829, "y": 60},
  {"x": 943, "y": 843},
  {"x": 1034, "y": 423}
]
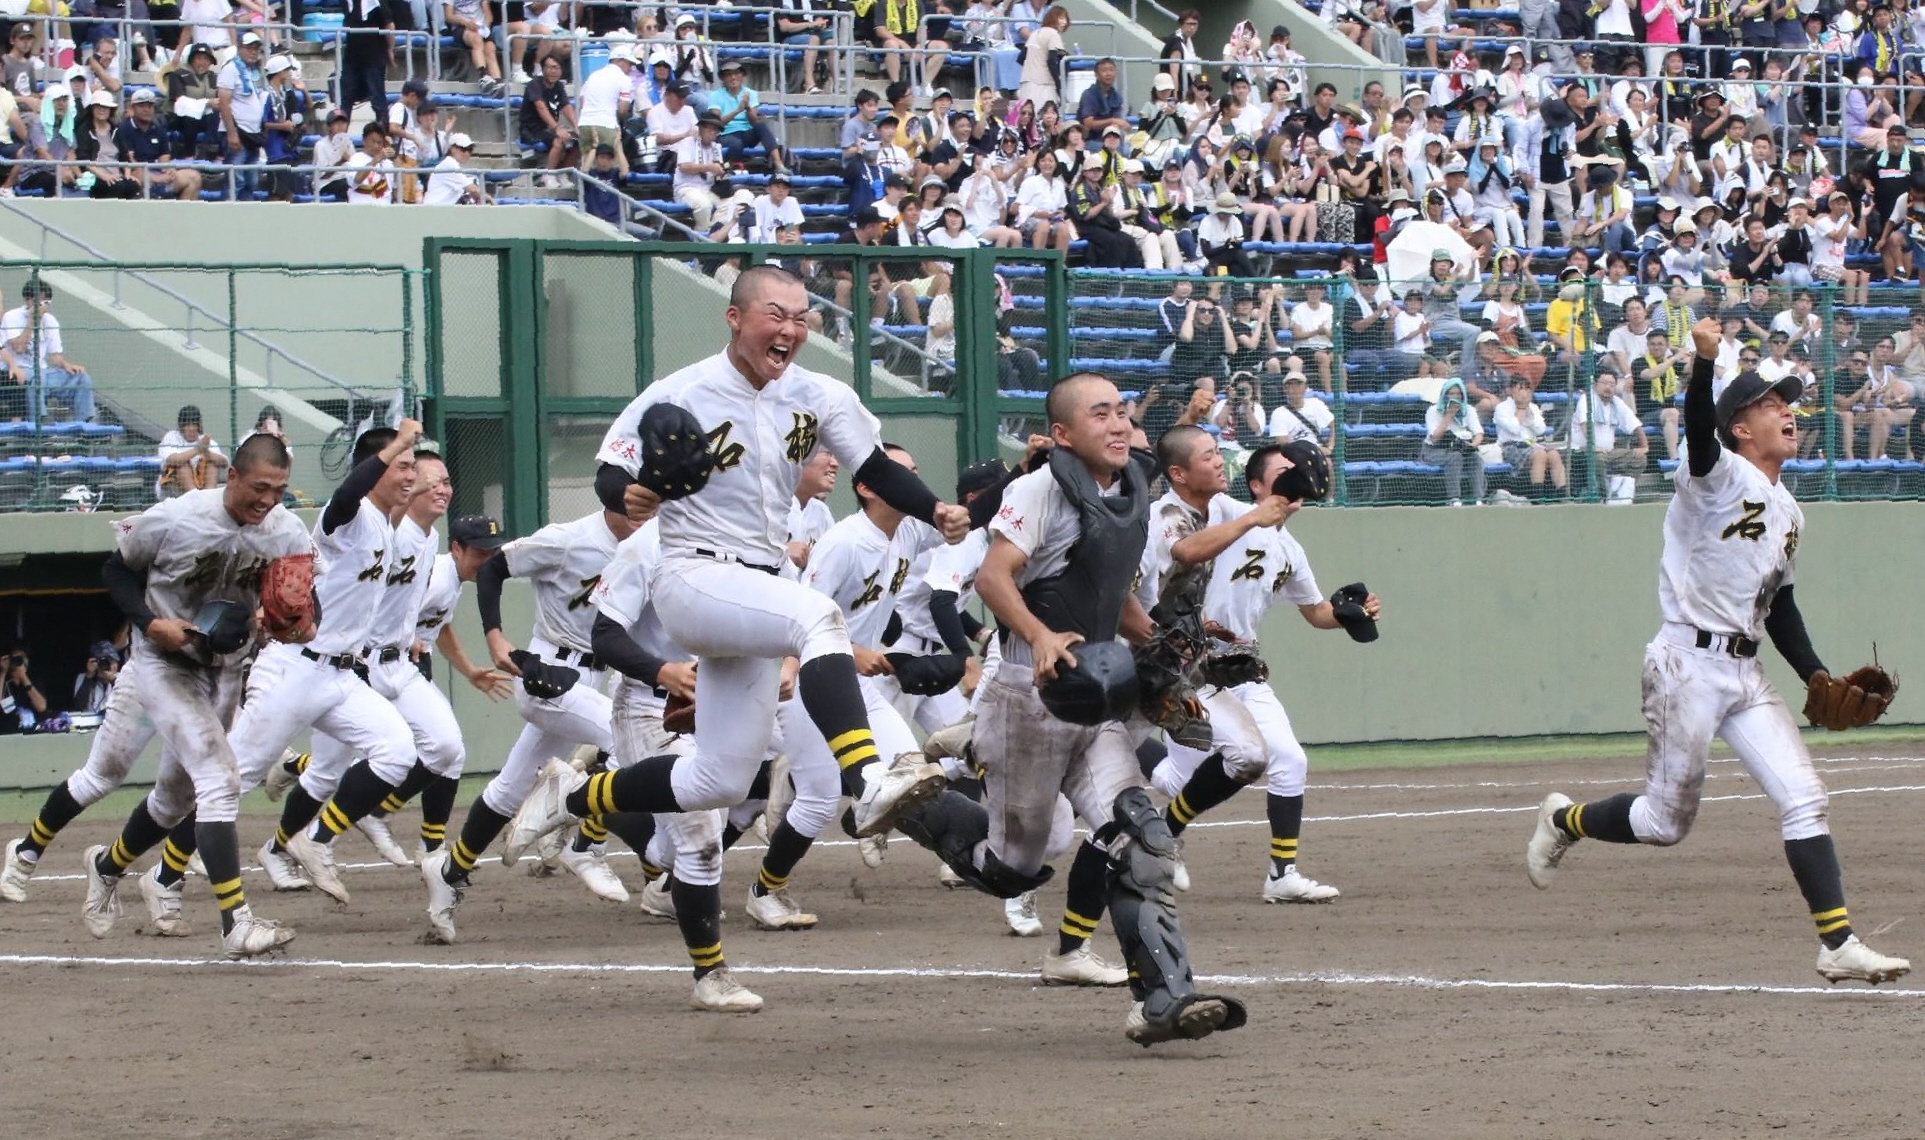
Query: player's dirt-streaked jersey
[
  {"x": 951, "y": 568},
  {"x": 438, "y": 600},
  {"x": 760, "y": 440},
  {"x": 1730, "y": 542},
  {"x": 1265, "y": 566},
  {"x": 564, "y": 563},
  {"x": 353, "y": 575},
  {"x": 1171, "y": 521},
  {"x": 1038, "y": 519},
  {"x": 623, "y": 593},
  {"x": 194, "y": 552},
  {"x": 398, "y": 611},
  {"x": 865, "y": 570}
]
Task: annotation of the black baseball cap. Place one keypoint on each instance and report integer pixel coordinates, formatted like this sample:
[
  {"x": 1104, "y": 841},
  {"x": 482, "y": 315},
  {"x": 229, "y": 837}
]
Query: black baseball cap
[
  {"x": 980, "y": 477},
  {"x": 1747, "y": 388},
  {"x": 477, "y": 530}
]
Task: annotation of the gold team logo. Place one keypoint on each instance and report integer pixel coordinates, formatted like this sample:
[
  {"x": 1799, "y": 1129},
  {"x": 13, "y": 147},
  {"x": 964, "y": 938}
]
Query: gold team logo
[
  {"x": 1750, "y": 525},
  {"x": 727, "y": 455},
  {"x": 802, "y": 438}
]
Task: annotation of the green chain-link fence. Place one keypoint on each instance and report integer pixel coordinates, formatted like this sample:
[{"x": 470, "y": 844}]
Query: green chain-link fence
[{"x": 125, "y": 382}]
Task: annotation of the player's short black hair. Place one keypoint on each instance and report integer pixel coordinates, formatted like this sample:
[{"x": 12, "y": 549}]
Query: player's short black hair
[
  {"x": 371, "y": 443},
  {"x": 748, "y": 285},
  {"x": 262, "y": 450},
  {"x": 1175, "y": 447},
  {"x": 1255, "y": 466},
  {"x": 1053, "y": 404}
]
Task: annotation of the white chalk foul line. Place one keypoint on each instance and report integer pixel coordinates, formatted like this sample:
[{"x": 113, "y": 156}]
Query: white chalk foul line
[
  {"x": 1314, "y": 978},
  {"x": 1837, "y": 765}
]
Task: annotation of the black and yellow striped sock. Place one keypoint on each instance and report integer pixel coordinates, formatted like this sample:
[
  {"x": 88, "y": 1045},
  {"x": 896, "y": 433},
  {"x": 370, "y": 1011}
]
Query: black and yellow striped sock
[
  {"x": 1286, "y": 821},
  {"x": 650, "y": 871},
  {"x": 1208, "y": 786},
  {"x": 229, "y": 895},
  {"x": 359, "y": 792},
  {"x": 418, "y": 777},
  {"x": 590, "y": 833},
  {"x": 389, "y": 806},
  {"x": 698, "y": 912},
  {"x": 1814, "y": 863},
  {"x": 116, "y": 859},
  {"x": 1086, "y": 889},
  {"x": 832, "y": 697},
  {"x": 787, "y": 846},
  {"x": 1607, "y": 820},
  {"x": 1283, "y": 856},
  {"x": 220, "y": 849},
  {"x": 765, "y": 882},
  {"x": 477, "y": 832},
  {"x": 299, "y": 811},
  {"x": 299, "y": 764},
  {"x": 60, "y": 810},
  {"x": 437, "y": 807},
  {"x": 641, "y": 787},
  {"x": 138, "y": 836},
  {"x": 433, "y": 835},
  {"x": 173, "y": 863}
]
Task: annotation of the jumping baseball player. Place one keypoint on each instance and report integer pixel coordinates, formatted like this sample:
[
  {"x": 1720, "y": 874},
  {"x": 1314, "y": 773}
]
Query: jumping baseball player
[
  {"x": 560, "y": 698},
  {"x": 1064, "y": 551},
  {"x": 718, "y": 589},
  {"x": 187, "y": 573},
  {"x": 1254, "y": 564},
  {"x": 1725, "y": 580}
]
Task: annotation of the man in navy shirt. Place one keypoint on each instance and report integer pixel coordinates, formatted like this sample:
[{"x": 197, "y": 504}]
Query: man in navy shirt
[
  {"x": 1102, "y": 105},
  {"x": 141, "y": 138}
]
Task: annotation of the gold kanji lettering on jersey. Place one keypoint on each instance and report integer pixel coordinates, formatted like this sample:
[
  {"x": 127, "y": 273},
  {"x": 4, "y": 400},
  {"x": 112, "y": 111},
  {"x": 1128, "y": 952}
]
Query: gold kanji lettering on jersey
[
  {"x": 727, "y": 455},
  {"x": 803, "y": 437},
  {"x": 1749, "y": 525}
]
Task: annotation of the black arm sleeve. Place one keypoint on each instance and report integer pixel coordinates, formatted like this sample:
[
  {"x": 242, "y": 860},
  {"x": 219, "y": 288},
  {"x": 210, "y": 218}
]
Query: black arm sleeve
[
  {"x": 341, "y": 509},
  {"x": 898, "y": 486},
  {"x": 972, "y": 625},
  {"x": 942, "y": 611},
  {"x": 128, "y": 588},
  {"x": 610, "y": 482},
  {"x": 488, "y": 582},
  {"x": 614, "y": 648},
  {"x": 1701, "y": 419},
  {"x": 1786, "y": 628}
]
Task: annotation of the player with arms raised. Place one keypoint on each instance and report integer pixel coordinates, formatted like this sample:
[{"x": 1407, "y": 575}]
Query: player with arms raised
[{"x": 1730, "y": 541}]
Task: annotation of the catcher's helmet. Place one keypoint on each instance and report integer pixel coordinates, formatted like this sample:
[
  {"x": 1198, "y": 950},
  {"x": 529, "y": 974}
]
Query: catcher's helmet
[{"x": 1101, "y": 688}]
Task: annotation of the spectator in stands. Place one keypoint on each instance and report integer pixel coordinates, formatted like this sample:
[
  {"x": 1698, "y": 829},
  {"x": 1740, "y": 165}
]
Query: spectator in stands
[
  {"x": 242, "y": 91},
  {"x": 1452, "y": 435},
  {"x": 22, "y": 706},
  {"x": 35, "y": 356},
  {"x": 805, "y": 24},
  {"x": 1867, "y": 113},
  {"x": 1089, "y": 204},
  {"x": 891, "y": 155},
  {"x": 1571, "y": 325},
  {"x": 141, "y": 138},
  {"x": 1043, "y": 56},
  {"x": 95, "y": 682},
  {"x": 1604, "y": 215},
  {"x": 672, "y": 121},
  {"x": 371, "y": 169},
  {"x": 103, "y": 66},
  {"x": 986, "y": 198},
  {"x": 1101, "y": 106},
  {"x": 189, "y": 457},
  {"x": 1203, "y": 344},
  {"x": 282, "y": 123},
  {"x": 1804, "y": 326},
  {"x": 1179, "y": 50},
  {"x": 1156, "y": 244},
  {"x": 1042, "y": 206},
  {"x": 692, "y": 60},
  {"x": 333, "y": 149},
  {"x": 1657, "y": 380},
  {"x": 860, "y": 127},
  {"x": 698, "y": 163},
  {"x": 604, "y": 104},
  {"x": 193, "y": 101},
  {"x": 471, "y": 22},
  {"x": 1239, "y": 416},
  {"x": 547, "y": 120},
  {"x": 1522, "y": 436},
  {"x": 737, "y": 106},
  {"x": 1608, "y": 437},
  {"x": 1628, "y": 341},
  {"x": 774, "y": 210},
  {"x": 1301, "y": 416},
  {"x": 451, "y": 183},
  {"x": 539, "y": 34},
  {"x": 1312, "y": 329},
  {"x": 96, "y": 145},
  {"x": 268, "y": 422},
  {"x": 1219, "y": 238},
  {"x": 1253, "y": 331},
  {"x": 1831, "y": 232},
  {"x": 405, "y": 131}
]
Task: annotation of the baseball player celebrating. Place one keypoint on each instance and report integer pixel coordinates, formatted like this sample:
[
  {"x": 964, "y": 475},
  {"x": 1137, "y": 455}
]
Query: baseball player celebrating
[
  {"x": 1254, "y": 564},
  {"x": 188, "y": 574},
  {"x": 1064, "y": 551},
  {"x": 809, "y": 514},
  {"x": 1730, "y": 541},
  {"x": 718, "y": 591}
]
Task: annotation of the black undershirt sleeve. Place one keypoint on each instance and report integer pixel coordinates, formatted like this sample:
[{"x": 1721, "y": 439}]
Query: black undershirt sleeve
[
  {"x": 488, "y": 582},
  {"x": 942, "y": 611},
  {"x": 1786, "y": 628},
  {"x": 610, "y": 482},
  {"x": 128, "y": 589},
  {"x": 898, "y": 486},
  {"x": 972, "y": 625},
  {"x": 346, "y": 501},
  {"x": 615, "y": 648},
  {"x": 1701, "y": 419}
]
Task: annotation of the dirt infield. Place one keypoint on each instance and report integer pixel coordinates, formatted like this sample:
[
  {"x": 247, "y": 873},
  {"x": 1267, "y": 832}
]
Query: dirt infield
[{"x": 1651, "y": 994}]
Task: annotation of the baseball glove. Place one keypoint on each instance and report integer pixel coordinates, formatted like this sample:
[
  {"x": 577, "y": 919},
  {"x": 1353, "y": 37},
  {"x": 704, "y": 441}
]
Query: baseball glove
[
  {"x": 1235, "y": 665},
  {"x": 928, "y": 676},
  {"x": 674, "y": 461},
  {"x": 1852, "y": 701},
  {"x": 1347, "y": 606},
  {"x": 541, "y": 680},
  {"x": 1166, "y": 674},
  {"x": 223, "y": 627},
  {"x": 288, "y": 605},
  {"x": 678, "y": 715}
]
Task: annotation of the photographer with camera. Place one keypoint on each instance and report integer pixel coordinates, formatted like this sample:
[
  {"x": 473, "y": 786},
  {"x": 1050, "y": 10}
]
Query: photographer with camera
[
  {"x": 22, "y": 705},
  {"x": 1452, "y": 435},
  {"x": 1239, "y": 415},
  {"x": 96, "y": 683}
]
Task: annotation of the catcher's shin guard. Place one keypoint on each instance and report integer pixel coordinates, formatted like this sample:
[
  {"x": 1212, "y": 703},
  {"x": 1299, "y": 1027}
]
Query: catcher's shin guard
[
  {"x": 1143, "y": 910},
  {"x": 953, "y": 826}
]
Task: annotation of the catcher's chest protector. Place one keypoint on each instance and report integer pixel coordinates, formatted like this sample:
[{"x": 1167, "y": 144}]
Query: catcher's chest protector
[{"x": 1087, "y": 596}]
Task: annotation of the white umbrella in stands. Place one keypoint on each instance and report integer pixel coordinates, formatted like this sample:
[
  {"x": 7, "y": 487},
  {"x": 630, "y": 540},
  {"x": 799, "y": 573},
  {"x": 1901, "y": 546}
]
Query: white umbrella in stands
[{"x": 1409, "y": 253}]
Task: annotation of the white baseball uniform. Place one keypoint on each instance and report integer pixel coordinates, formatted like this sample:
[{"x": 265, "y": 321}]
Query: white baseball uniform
[
  {"x": 807, "y": 525},
  {"x": 193, "y": 552},
  {"x": 295, "y": 687},
  {"x": 951, "y": 568},
  {"x": 564, "y": 564},
  {"x": 1730, "y": 543},
  {"x": 717, "y": 588},
  {"x": 438, "y": 601}
]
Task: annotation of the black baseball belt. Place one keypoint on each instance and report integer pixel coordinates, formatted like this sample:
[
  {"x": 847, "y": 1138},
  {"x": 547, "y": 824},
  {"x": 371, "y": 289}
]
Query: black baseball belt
[{"x": 1734, "y": 644}]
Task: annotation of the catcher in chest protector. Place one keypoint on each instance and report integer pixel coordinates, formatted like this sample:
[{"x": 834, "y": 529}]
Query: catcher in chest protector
[{"x": 1731, "y": 539}]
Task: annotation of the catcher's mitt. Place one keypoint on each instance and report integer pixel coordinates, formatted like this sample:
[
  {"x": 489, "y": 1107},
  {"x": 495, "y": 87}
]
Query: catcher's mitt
[
  {"x": 540, "y": 679},
  {"x": 928, "y": 676},
  {"x": 289, "y": 608},
  {"x": 1166, "y": 674},
  {"x": 1852, "y": 701},
  {"x": 678, "y": 715},
  {"x": 674, "y": 460},
  {"x": 1235, "y": 665},
  {"x": 1347, "y": 606}
]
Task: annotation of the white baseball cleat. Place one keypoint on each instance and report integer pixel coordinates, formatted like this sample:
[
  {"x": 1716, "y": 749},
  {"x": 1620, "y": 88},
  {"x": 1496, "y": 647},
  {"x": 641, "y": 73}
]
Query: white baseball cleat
[
  {"x": 443, "y": 896},
  {"x": 1854, "y": 961},
  {"x": 1295, "y": 887},
  {"x": 1020, "y": 914},
  {"x": 947, "y": 877},
  {"x": 1548, "y": 843},
  {"x": 1081, "y": 967},
  {"x": 591, "y": 867},
  {"x": 952, "y": 742},
  {"x": 777, "y": 911},
  {"x": 316, "y": 860},
  {"x": 102, "y": 907},
  {"x": 15, "y": 873},
  {"x": 718, "y": 992},
  {"x": 656, "y": 899},
  {"x": 891, "y": 792},
  {"x": 1180, "y": 874},
  {"x": 283, "y": 873},
  {"x": 873, "y": 849},
  {"x": 545, "y": 812},
  {"x": 195, "y": 866},
  {"x": 250, "y": 937},
  {"x": 163, "y": 905},
  {"x": 281, "y": 776},
  {"x": 377, "y": 832}
]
